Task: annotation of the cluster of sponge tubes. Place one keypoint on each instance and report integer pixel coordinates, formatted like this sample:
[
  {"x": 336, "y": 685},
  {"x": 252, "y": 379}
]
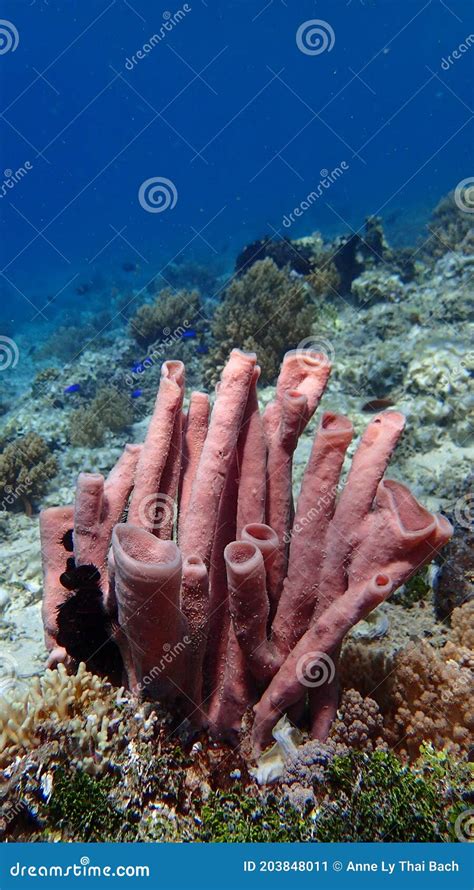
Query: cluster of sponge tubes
[{"x": 219, "y": 593}]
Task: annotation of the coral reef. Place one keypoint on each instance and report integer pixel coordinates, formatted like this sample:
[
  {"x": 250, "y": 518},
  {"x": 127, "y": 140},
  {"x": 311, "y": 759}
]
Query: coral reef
[
  {"x": 110, "y": 409},
  {"x": 359, "y": 724},
  {"x": 77, "y": 709},
  {"x": 26, "y": 466},
  {"x": 237, "y": 612},
  {"x": 295, "y": 255},
  {"x": 432, "y": 697},
  {"x": 376, "y": 798},
  {"x": 170, "y": 310},
  {"x": 448, "y": 228},
  {"x": 263, "y": 311}
]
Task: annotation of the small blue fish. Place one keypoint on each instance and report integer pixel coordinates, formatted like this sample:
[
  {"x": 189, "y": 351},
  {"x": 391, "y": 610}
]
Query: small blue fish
[
  {"x": 75, "y": 387},
  {"x": 202, "y": 349},
  {"x": 136, "y": 393},
  {"x": 189, "y": 334}
]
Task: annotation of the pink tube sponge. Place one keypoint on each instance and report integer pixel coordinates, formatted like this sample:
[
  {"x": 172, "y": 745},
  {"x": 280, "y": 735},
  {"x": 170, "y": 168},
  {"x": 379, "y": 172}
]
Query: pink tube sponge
[{"x": 240, "y": 595}]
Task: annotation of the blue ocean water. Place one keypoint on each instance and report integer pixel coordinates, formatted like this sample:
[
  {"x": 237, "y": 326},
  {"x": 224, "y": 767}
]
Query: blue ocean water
[{"x": 239, "y": 108}]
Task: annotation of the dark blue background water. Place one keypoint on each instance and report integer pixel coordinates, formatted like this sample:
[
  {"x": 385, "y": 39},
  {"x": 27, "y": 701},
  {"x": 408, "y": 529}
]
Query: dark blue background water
[{"x": 230, "y": 110}]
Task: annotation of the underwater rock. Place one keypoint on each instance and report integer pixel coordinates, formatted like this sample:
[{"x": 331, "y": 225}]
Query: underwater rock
[
  {"x": 283, "y": 252},
  {"x": 454, "y": 581}
]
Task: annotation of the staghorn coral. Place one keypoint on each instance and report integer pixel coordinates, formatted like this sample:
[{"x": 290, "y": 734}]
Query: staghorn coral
[
  {"x": 110, "y": 409},
  {"x": 263, "y": 311},
  {"x": 79, "y": 707},
  {"x": 26, "y": 466},
  {"x": 170, "y": 311}
]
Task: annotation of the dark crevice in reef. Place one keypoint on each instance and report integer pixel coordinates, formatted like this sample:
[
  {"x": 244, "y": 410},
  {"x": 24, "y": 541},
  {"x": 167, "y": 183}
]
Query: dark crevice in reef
[{"x": 83, "y": 625}]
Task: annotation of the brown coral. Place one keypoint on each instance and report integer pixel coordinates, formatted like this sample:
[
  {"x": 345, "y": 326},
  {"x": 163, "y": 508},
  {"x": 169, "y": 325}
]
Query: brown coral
[
  {"x": 26, "y": 465},
  {"x": 359, "y": 723},
  {"x": 109, "y": 410},
  {"x": 172, "y": 309},
  {"x": 449, "y": 227},
  {"x": 264, "y": 311},
  {"x": 432, "y": 695}
]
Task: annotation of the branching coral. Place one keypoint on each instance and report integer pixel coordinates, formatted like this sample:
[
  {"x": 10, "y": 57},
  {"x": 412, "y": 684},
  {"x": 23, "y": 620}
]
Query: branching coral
[
  {"x": 431, "y": 696},
  {"x": 78, "y": 714},
  {"x": 170, "y": 310},
  {"x": 262, "y": 312},
  {"x": 26, "y": 466},
  {"x": 235, "y": 611}
]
